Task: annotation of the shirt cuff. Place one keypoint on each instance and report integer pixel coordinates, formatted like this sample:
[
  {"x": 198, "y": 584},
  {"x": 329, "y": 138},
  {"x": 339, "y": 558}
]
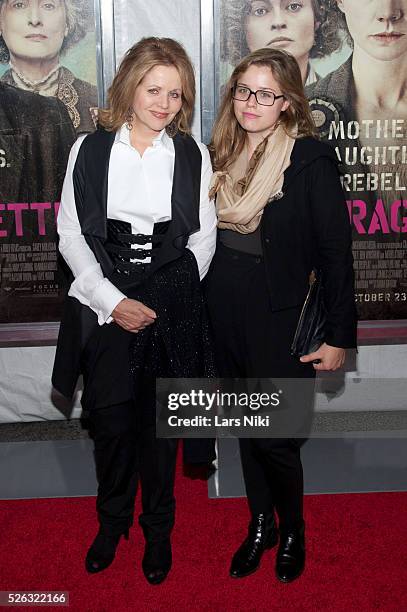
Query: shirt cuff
[{"x": 105, "y": 298}]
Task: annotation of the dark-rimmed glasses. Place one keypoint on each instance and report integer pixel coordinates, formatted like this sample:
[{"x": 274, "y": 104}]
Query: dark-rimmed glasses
[{"x": 263, "y": 97}]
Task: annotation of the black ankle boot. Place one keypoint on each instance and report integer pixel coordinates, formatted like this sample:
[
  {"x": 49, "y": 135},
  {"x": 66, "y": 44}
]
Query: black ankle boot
[
  {"x": 290, "y": 554},
  {"x": 262, "y": 535},
  {"x": 157, "y": 561},
  {"x": 102, "y": 552}
]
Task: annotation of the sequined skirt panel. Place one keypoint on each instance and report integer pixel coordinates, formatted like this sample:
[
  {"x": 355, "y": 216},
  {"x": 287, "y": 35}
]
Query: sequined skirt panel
[{"x": 119, "y": 365}]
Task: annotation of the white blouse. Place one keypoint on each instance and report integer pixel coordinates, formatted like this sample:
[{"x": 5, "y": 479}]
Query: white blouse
[{"x": 139, "y": 192}]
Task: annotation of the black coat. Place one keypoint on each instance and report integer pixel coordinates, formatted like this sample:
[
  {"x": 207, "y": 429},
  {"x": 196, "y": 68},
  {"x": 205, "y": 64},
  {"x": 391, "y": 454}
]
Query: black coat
[
  {"x": 77, "y": 96},
  {"x": 310, "y": 227},
  {"x": 36, "y": 135}
]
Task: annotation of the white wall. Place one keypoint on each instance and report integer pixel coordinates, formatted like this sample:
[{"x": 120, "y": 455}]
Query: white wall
[
  {"x": 378, "y": 383},
  {"x": 179, "y": 19},
  {"x": 26, "y": 392},
  {"x": 376, "y": 380}
]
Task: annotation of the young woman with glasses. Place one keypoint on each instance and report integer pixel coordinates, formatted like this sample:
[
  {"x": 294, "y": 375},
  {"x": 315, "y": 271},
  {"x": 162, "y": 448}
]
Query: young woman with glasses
[{"x": 281, "y": 212}]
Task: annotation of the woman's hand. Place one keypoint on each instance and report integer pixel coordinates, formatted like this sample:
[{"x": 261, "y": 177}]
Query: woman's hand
[
  {"x": 132, "y": 315},
  {"x": 332, "y": 358}
]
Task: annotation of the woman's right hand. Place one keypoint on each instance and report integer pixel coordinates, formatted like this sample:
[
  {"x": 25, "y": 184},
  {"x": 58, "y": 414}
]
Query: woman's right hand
[{"x": 132, "y": 315}]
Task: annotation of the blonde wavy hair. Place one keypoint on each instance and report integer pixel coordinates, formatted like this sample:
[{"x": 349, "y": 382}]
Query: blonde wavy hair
[
  {"x": 228, "y": 137},
  {"x": 233, "y": 45},
  {"x": 140, "y": 59}
]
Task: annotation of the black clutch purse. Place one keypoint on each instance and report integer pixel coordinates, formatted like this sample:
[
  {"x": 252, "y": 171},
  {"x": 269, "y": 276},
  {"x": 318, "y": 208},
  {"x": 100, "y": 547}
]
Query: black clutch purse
[{"x": 309, "y": 334}]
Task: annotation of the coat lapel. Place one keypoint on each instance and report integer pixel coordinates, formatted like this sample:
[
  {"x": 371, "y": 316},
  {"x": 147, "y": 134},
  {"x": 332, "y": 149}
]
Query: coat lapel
[
  {"x": 184, "y": 200},
  {"x": 91, "y": 195}
]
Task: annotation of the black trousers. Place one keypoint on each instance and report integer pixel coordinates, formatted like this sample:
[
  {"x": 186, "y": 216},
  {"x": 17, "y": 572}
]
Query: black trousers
[
  {"x": 122, "y": 427},
  {"x": 126, "y": 448},
  {"x": 253, "y": 341},
  {"x": 120, "y": 370},
  {"x": 125, "y": 454}
]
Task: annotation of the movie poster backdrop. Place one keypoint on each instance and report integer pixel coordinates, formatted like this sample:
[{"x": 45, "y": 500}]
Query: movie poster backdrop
[
  {"x": 48, "y": 97},
  {"x": 353, "y": 59}
]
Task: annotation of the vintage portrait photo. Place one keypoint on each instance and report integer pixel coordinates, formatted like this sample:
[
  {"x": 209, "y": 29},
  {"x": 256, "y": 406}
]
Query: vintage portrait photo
[{"x": 48, "y": 96}]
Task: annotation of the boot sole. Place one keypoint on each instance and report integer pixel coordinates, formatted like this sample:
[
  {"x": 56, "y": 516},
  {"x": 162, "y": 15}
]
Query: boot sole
[
  {"x": 268, "y": 547},
  {"x": 93, "y": 570},
  {"x": 159, "y": 580},
  {"x": 286, "y": 581},
  {"x": 246, "y": 574}
]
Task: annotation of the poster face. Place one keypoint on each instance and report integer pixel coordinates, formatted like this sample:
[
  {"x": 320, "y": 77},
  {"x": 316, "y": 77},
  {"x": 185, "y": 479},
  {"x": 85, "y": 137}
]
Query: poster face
[
  {"x": 47, "y": 98},
  {"x": 353, "y": 58}
]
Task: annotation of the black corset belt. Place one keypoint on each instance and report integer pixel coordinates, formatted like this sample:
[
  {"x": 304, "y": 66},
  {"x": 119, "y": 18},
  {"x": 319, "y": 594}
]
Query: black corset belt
[{"x": 120, "y": 240}]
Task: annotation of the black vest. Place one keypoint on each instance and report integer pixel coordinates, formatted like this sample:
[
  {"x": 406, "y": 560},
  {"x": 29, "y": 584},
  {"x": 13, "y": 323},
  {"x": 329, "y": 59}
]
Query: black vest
[{"x": 90, "y": 178}]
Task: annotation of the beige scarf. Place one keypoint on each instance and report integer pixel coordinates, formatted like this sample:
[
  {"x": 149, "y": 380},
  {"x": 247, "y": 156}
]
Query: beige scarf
[{"x": 240, "y": 201}]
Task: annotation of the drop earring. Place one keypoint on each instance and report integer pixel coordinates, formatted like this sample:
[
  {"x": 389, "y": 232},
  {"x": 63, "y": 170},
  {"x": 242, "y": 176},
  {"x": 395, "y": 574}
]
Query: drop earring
[
  {"x": 172, "y": 128},
  {"x": 129, "y": 119}
]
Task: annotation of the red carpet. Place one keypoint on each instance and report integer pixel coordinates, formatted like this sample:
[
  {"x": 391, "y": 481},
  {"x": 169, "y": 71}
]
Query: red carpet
[{"x": 357, "y": 556}]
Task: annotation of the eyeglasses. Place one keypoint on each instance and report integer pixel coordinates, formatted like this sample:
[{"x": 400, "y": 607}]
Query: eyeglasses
[{"x": 263, "y": 97}]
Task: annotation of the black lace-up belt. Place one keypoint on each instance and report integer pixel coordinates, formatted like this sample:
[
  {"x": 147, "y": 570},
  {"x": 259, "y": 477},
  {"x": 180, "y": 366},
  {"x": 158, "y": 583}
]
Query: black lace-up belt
[{"x": 120, "y": 239}]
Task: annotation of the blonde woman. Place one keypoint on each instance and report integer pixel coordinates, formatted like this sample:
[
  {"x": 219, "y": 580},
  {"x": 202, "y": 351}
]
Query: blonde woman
[
  {"x": 281, "y": 212},
  {"x": 137, "y": 230}
]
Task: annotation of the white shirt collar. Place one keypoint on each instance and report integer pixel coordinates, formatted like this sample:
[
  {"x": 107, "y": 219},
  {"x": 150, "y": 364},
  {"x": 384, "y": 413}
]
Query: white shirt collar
[
  {"x": 312, "y": 76},
  {"x": 162, "y": 139}
]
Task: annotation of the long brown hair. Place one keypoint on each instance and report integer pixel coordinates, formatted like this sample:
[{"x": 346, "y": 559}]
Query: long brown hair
[
  {"x": 142, "y": 57},
  {"x": 228, "y": 137}
]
